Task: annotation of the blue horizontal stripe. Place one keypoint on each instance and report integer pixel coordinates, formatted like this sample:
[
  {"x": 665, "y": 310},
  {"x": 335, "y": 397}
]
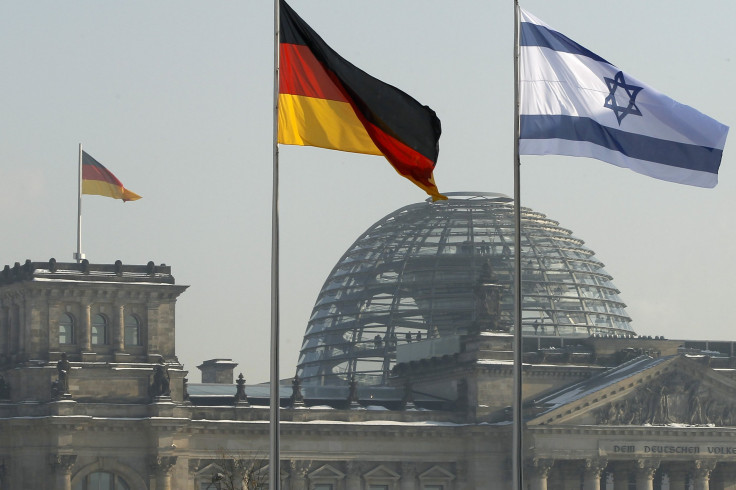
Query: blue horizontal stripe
[
  {"x": 632, "y": 145},
  {"x": 536, "y": 35}
]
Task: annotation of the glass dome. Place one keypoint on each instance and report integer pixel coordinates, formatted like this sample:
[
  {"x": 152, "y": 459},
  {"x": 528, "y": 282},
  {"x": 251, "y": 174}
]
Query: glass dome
[{"x": 426, "y": 270}]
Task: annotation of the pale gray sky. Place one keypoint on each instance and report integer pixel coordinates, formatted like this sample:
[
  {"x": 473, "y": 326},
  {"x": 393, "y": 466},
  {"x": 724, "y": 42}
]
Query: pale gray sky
[{"x": 174, "y": 97}]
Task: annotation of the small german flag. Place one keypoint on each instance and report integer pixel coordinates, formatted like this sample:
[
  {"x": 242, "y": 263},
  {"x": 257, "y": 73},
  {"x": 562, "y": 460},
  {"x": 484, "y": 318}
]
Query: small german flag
[
  {"x": 98, "y": 180},
  {"x": 327, "y": 102}
]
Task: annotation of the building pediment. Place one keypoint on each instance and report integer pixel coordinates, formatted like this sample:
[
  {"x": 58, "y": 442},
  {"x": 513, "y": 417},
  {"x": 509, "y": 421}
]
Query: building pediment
[{"x": 644, "y": 391}]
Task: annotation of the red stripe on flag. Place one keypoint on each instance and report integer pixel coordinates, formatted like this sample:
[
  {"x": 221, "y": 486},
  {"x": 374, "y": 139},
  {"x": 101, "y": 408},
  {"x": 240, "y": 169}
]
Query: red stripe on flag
[
  {"x": 407, "y": 161},
  {"x": 94, "y": 172},
  {"x": 301, "y": 74}
]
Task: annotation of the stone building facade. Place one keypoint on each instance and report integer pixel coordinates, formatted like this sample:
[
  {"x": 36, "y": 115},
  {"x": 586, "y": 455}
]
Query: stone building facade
[{"x": 92, "y": 396}]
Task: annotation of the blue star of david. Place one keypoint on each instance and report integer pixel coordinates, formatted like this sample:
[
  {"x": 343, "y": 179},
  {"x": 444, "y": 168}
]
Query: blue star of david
[{"x": 631, "y": 90}]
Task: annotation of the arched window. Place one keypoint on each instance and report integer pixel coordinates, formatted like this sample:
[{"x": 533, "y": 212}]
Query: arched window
[
  {"x": 102, "y": 480},
  {"x": 66, "y": 329},
  {"x": 132, "y": 330},
  {"x": 99, "y": 330}
]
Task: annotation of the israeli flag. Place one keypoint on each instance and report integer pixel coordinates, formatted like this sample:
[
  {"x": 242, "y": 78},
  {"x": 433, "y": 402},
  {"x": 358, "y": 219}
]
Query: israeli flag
[{"x": 573, "y": 102}]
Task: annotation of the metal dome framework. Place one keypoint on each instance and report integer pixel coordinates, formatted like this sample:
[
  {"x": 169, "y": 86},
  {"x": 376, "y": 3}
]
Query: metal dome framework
[{"x": 416, "y": 273}]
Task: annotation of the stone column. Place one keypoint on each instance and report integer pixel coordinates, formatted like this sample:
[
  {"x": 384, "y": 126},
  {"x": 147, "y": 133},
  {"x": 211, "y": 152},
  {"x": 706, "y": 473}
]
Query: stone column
[
  {"x": 537, "y": 470},
  {"x": 592, "y": 469},
  {"x": 85, "y": 323},
  {"x": 61, "y": 465},
  {"x": 408, "y": 476},
  {"x": 54, "y": 316},
  {"x": 118, "y": 334},
  {"x": 645, "y": 469},
  {"x": 240, "y": 473},
  {"x": 161, "y": 467},
  {"x": 298, "y": 475},
  {"x": 4, "y": 330},
  {"x": 701, "y": 473},
  {"x": 193, "y": 468},
  {"x": 13, "y": 345},
  {"x": 153, "y": 340},
  {"x": 22, "y": 340},
  {"x": 352, "y": 476}
]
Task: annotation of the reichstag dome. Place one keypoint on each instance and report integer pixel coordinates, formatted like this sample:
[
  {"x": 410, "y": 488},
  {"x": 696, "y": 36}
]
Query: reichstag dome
[{"x": 428, "y": 270}]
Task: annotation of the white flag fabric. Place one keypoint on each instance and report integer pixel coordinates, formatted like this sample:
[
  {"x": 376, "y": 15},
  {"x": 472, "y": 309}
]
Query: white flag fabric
[{"x": 575, "y": 103}]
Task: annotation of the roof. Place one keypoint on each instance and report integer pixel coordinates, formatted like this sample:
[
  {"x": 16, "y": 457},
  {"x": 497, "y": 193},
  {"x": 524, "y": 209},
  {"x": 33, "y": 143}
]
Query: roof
[
  {"x": 209, "y": 394},
  {"x": 597, "y": 382},
  {"x": 84, "y": 271}
]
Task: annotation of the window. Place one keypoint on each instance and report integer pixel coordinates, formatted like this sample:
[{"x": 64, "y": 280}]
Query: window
[
  {"x": 323, "y": 486},
  {"x": 66, "y": 329},
  {"x": 132, "y": 330},
  {"x": 101, "y": 480},
  {"x": 433, "y": 487},
  {"x": 378, "y": 487},
  {"x": 99, "y": 330}
]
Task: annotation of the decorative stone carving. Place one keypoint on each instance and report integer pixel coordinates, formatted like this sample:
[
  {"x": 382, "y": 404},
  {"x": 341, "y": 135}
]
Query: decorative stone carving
[
  {"x": 539, "y": 467},
  {"x": 160, "y": 386},
  {"x": 298, "y": 474},
  {"x": 60, "y": 387},
  {"x": 407, "y": 402},
  {"x": 353, "y": 399},
  {"x": 703, "y": 468},
  {"x": 194, "y": 467},
  {"x": 297, "y": 400},
  {"x": 241, "y": 399},
  {"x": 594, "y": 466},
  {"x": 672, "y": 398},
  {"x": 488, "y": 301},
  {"x": 185, "y": 388},
  {"x": 645, "y": 468},
  {"x": 63, "y": 463},
  {"x": 162, "y": 464},
  {"x": 299, "y": 469}
]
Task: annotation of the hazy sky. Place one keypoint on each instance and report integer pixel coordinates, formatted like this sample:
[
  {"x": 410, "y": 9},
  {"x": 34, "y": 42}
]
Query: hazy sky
[{"x": 175, "y": 98}]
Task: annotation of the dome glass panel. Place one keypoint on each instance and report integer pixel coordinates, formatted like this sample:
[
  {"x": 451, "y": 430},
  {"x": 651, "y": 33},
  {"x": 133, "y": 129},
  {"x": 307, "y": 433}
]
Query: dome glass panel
[{"x": 421, "y": 272}]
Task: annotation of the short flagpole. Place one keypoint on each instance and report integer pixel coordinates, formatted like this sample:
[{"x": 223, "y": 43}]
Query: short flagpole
[
  {"x": 274, "y": 468},
  {"x": 78, "y": 256},
  {"x": 518, "y": 450}
]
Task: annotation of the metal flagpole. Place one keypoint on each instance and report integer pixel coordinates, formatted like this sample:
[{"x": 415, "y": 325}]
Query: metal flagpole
[
  {"x": 79, "y": 256},
  {"x": 274, "y": 470},
  {"x": 517, "y": 468}
]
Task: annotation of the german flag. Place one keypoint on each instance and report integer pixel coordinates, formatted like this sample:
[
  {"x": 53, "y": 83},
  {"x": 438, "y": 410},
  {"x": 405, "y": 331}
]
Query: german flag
[
  {"x": 326, "y": 101},
  {"x": 98, "y": 180}
]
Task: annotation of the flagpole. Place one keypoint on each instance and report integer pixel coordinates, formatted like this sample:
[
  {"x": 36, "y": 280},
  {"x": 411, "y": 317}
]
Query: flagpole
[
  {"x": 78, "y": 256},
  {"x": 274, "y": 470},
  {"x": 518, "y": 451}
]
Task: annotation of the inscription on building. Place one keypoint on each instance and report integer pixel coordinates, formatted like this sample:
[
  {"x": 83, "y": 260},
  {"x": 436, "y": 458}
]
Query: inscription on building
[{"x": 639, "y": 448}]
